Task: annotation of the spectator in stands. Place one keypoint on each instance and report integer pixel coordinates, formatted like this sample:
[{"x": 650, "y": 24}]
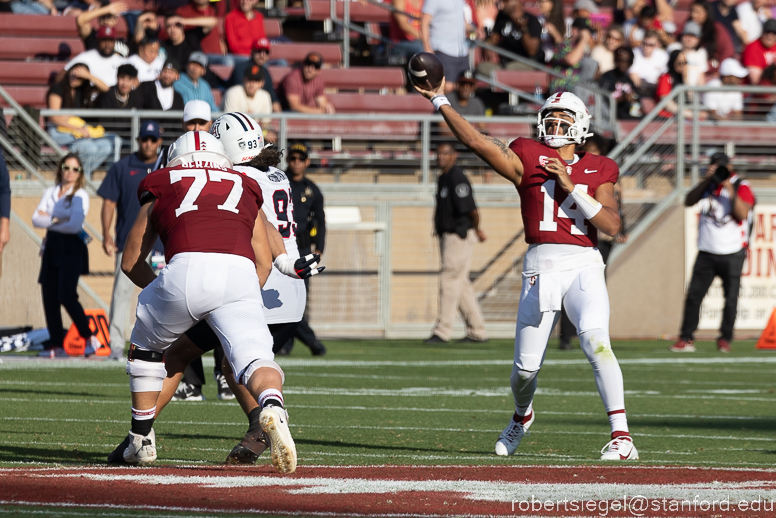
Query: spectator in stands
[
  {"x": 603, "y": 53},
  {"x": 553, "y": 26},
  {"x": 753, "y": 15},
  {"x": 196, "y": 117},
  {"x": 723, "y": 239},
  {"x": 148, "y": 61},
  {"x": 457, "y": 226},
  {"x": 647, "y": 21},
  {"x": 199, "y": 18},
  {"x": 249, "y": 97},
  {"x": 761, "y": 53},
  {"x": 302, "y": 90},
  {"x": 146, "y": 27},
  {"x": 178, "y": 47},
  {"x": 724, "y": 12},
  {"x": 695, "y": 55},
  {"x": 243, "y": 26},
  {"x": 619, "y": 82},
  {"x": 102, "y": 61},
  {"x": 191, "y": 85},
  {"x": 714, "y": 38},
  {"x": 5, "y": 203},
  {"x": 62, "y": 211},
  {"x": 74, "y": 91},
  {"x": 515, "y": 31},
  {"x": 118, "y": 97},
  {"x": 160, "y": 94},
  {"x": 726, "y": 105},
  {"x": 676, "y": 75},
  {"x": 404, "y": 30},
  {"x": 649, "y": 63},
  {"x": 568, "y": 59},
  {"x": 443, "y": 32},
  {"x": 463, "y": 99},
  {"x": 119, "y": 196},
  {"x": 77, "y": 7},
  {"x": 39, "y": 7},
  {"x": 107, "y": 16},
  {"x": 584, "y": 8},
  {"x": 259, "y": 57}
]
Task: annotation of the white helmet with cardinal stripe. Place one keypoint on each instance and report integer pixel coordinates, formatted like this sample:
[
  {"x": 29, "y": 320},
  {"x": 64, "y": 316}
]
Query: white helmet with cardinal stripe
[
  {"x": 240, "y": 134},
  {"x": 198, "y": 146},
  {"x": 557, "y": 132}
]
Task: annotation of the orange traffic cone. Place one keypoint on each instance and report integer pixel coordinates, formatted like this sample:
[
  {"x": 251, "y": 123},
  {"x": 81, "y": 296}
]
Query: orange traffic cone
[{"x": 768, "y": 338}]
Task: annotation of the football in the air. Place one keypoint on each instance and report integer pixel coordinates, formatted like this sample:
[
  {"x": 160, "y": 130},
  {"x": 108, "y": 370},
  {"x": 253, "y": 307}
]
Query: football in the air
[{"x": 426, "y": 70}]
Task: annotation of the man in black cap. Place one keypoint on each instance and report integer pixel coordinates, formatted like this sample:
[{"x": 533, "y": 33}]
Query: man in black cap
[
  {"x": 310, "y": 232},
  {"x": 160, "y": 95},
  {"x": 463, "y": 99},
  {"x": 723, "y": 238}
]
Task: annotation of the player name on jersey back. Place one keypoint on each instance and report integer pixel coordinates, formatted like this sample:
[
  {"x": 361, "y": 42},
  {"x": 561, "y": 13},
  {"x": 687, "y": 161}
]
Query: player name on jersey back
[
  {"x": 203, "y": 207},
  {"x": 549, "y": 213}
]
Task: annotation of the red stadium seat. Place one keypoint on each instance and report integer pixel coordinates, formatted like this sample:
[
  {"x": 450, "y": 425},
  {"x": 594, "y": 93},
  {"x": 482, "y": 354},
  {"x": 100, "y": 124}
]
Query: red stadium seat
[
  {"x": 34, "y": 96},
  {"x": 272, "y": 28},
  {"x": 28, "y": 73},
  {"x": 319, "y": 10},
  {"x": 296, "y": 52},
  {"x": 522, "y": 80},
  {"x": 28, "y": 47},
  {"x": 375, "y": 103},
  {"x": 354, "y": 78},
  {"x": 38, "y": 26},
  {"x": 353, "y": 130}
]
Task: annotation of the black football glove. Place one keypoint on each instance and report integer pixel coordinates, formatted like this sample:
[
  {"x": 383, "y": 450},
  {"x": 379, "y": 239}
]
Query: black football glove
[{"x": 301, "y": 268}]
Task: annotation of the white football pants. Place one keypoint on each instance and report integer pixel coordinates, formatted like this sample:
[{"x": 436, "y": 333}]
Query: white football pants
[
  {"x": 586, "y": 300},
  {"x": 221, "y": 288}
]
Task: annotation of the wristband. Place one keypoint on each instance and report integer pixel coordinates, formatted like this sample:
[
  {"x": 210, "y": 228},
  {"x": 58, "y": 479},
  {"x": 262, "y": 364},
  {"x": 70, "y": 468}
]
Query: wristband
[
  {"x": 440, "y": 100},
  {"x": 285, "y": 264},
  {"x": 586, "y": 204}
]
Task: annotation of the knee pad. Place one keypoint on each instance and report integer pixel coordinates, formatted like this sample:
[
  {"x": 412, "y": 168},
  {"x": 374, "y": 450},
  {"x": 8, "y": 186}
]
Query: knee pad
[
  {"x": 522, "y": 377},
  {"x": 259, "y": 364},
  {"x": 146, "y": 370}
]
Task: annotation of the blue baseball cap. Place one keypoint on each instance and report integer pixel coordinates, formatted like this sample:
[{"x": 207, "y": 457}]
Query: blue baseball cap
[{"x": 149, "y": 129}]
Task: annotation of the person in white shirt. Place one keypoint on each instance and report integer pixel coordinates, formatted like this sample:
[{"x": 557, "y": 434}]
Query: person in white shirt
[
  {"x": 249, "y": 97},
  {"x": 726, "y": 105},
  {"x": 62, "y": 211},
  {"x": 649, "y": 63},
  {"x": 147, "y": 61},
  {"x": 752, "y": 15},
  {"x": 726, "y": 203},
  {"x": 102, "y": 61}
]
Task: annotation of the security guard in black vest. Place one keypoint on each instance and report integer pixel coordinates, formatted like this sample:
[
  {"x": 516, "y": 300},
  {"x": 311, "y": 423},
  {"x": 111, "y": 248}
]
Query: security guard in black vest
[
  {"x": 457, "y": 224},
  {"x": 310, "y": 231}
]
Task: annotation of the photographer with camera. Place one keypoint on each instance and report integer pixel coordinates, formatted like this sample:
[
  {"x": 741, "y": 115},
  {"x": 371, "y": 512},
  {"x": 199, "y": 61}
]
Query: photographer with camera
[{"x": 723, "y": 238}]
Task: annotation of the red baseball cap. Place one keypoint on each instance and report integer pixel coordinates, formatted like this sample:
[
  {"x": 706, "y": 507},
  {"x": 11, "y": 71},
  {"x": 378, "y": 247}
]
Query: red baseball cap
[
  {"x": 106, "y": 33},
  {"x": 261, "y": 44}
]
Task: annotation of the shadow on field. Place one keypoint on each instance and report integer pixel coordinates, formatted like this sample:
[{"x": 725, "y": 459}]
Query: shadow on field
[
  {"x": 31, "y": 454},
  {"x": 343, "y": 444},
  {"x": 764, "y": 424},
  {"x": 60, "y": 392}
]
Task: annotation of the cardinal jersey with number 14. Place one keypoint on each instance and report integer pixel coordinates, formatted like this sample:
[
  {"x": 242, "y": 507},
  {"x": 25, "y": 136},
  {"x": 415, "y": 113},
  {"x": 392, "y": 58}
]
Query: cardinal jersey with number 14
[{"x": 549, "y": 213}]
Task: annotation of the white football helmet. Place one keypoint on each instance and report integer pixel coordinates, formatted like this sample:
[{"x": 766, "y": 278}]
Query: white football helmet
[
  {"x": 565, "y": 132},
  {"x": 240, "y": 134},
  {"x": 197, "y": 146}
]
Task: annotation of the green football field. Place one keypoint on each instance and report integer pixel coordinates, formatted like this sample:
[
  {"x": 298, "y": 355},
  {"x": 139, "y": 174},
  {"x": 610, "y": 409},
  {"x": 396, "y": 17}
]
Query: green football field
[{"x": 401, "y": 402}]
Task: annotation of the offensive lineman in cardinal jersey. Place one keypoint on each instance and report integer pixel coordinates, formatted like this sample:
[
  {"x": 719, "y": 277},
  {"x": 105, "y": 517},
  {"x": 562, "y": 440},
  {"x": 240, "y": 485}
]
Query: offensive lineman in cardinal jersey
[
  {"x": 565, "y": 199},
  {"x": 218, "y": 256}
]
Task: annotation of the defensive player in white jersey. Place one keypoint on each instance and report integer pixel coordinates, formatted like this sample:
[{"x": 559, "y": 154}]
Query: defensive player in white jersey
[{"x": 565, "y": 199}]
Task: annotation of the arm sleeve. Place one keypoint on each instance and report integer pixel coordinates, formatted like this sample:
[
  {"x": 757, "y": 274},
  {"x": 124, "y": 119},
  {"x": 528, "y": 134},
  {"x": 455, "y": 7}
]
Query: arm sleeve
[
  {"x": 746, "y": 194},
  {"x": 5, "y": 189},
  {"x": 109, "y": 188},
  {"x": 462, "y": 197},
  {"x": 534, "y": 27},
  {"x": 612, "y": 171},
  {"x": 320, "y": 217},
  {"x": 751, "y": 58},
  {"x": 38, "y": 220},
  {"x": 78, "y": 210},
  {"x": 663, "y": 86}
]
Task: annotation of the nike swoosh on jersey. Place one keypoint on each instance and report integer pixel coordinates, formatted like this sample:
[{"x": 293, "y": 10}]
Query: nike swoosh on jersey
[{"x": 588, "y": 171}]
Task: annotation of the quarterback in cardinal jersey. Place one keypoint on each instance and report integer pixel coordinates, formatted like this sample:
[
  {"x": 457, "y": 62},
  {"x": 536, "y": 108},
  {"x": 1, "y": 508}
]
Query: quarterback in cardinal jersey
[
  {"x": 218, "y": 255},
  {"x": 566, "y": 198}
]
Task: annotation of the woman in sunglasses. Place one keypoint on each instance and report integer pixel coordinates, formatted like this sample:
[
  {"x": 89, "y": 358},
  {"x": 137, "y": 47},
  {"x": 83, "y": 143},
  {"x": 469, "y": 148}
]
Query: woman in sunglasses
[{"x": 62, "y": 211}]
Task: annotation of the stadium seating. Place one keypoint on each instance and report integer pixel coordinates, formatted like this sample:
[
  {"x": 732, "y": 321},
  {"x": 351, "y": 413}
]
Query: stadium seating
[
  {"x": 522, "y": 80},
  {"x": 28, "y": 73},
  {"x": 320, "y": 10},
  {"x": 354, "y": 78},
  {"x": 30, "y": 47}
]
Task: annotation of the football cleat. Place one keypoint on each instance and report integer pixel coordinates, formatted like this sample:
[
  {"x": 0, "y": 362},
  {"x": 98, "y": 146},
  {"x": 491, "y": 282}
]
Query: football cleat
[
  {"x": 620, "y": 448},
  {"x": 249, "y": 449},
  {"x": 274, "y": 421},
  {"x": 683, "y": 346},
  {"x": 141, "y": 449},
  {"x": 510, "y": 438},
  {"x": 723, "y": 345},
  {"x": 92, "y": 346},
  {"x": 224, "y": 392},
  {"x": 188, "y": 392},
  {"x": 117, "y": 455}
]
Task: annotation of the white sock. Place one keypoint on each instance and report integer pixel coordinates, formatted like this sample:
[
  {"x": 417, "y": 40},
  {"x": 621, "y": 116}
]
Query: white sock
[{"x": 270, "y": 397}]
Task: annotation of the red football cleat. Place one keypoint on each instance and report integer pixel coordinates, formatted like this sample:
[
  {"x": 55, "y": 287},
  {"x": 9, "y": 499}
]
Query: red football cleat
[
  {"x": 683, "y": 346},
  {"x": 723, "y": 345}
]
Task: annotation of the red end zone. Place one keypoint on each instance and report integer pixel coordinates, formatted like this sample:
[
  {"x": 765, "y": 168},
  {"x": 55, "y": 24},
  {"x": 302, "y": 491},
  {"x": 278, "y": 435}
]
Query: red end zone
[{"x": 406, "y": 490}]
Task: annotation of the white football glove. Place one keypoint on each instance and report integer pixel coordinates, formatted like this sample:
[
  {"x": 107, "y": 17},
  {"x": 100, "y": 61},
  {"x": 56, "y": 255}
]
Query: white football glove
[{"x": 301, "y": 268}]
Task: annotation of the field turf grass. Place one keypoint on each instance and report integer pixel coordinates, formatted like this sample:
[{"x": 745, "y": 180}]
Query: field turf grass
[{"x": 401, "y": 402}]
